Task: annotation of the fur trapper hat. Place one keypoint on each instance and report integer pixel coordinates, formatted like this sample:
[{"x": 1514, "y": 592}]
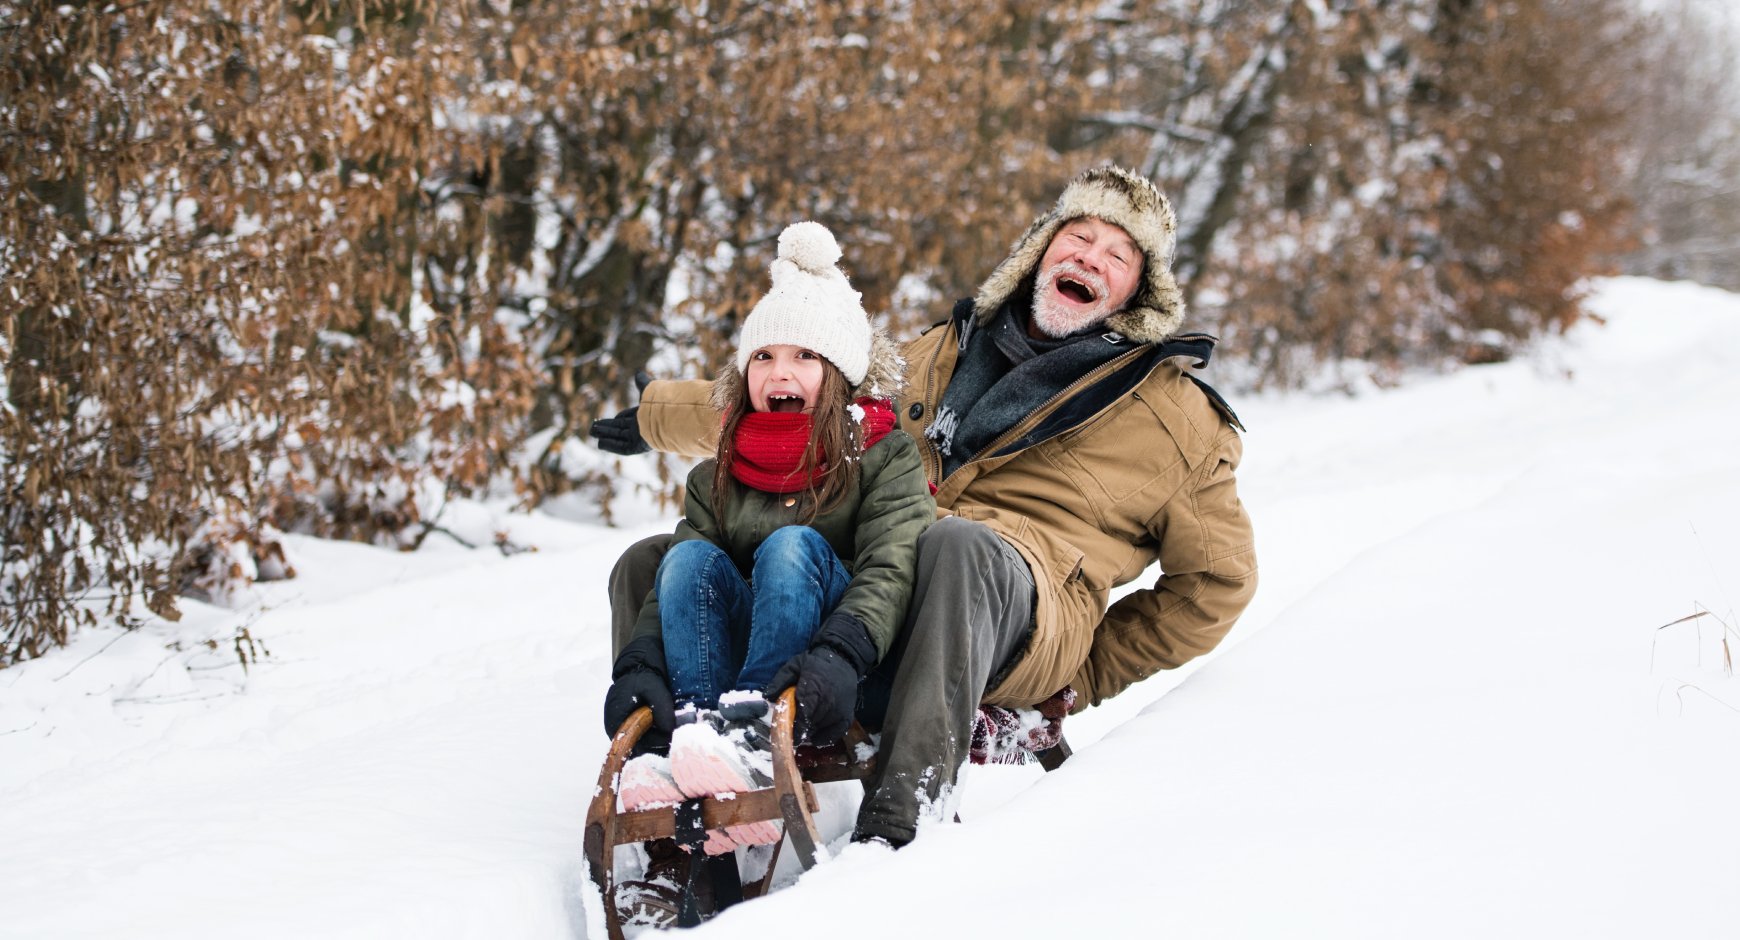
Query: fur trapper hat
[
  {"x": 811, "y": 304},
  {"x": 1132, "y": 203}
]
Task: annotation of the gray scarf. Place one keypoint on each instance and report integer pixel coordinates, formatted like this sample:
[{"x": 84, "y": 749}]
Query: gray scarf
[{"x": 1004, "y": 375}]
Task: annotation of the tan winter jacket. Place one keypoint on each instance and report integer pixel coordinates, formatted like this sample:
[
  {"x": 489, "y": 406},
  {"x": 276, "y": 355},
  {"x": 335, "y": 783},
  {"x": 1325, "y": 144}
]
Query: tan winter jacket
[{"x": 1147, "y": 477}]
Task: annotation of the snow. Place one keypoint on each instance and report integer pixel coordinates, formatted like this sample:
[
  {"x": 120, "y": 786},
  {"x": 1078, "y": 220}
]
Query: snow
[{"x": 1456, "y": 708}]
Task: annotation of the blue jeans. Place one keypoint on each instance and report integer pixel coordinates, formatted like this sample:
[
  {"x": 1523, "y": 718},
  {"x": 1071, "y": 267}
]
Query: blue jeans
[{"x": 723, "y": 633}]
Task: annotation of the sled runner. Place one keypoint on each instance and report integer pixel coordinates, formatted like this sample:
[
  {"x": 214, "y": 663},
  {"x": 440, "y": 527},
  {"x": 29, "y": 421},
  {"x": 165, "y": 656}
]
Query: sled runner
[{"x": 790, "y": 800}]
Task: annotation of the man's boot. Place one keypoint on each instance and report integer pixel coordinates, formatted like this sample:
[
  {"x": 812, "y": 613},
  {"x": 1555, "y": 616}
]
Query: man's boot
[{"x": 654, "y": 898}]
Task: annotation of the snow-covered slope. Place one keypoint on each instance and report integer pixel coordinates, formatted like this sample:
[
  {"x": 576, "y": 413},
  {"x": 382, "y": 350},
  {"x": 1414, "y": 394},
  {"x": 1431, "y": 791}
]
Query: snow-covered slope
[{"x": 1454, "y": 709}]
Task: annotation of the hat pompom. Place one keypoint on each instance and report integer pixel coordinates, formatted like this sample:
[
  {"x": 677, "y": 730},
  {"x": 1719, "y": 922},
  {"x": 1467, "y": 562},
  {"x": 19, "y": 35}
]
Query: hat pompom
[
  {"x": 810, "y": 246},
  {"x": 811, "y": 304}
]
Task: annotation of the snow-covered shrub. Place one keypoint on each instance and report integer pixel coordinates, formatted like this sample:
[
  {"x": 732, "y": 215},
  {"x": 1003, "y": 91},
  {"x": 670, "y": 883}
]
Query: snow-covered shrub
[{"x": 208, "y": 304}]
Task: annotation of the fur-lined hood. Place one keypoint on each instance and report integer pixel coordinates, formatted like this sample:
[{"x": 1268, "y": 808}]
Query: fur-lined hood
[
  {"x": 885, "y": 378},
  {"x": 1114, "y": 195}
]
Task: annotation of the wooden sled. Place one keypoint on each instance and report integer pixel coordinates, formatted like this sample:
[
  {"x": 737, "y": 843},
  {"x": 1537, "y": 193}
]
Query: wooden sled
[{"x": 791, "y": 800}]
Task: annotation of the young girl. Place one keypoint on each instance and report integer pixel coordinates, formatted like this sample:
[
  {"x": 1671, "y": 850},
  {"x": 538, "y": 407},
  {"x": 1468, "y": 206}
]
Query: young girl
[{"x": 793, "y": 562}]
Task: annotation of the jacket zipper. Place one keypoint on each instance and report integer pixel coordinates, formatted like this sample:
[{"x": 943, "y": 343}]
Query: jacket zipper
[{"x": 928, "y": 451}]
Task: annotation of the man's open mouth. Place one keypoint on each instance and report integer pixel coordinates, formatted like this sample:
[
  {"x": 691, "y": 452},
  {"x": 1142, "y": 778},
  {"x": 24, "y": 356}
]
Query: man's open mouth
[
  {"x": 784, "y": 403},
  {"x": 1074, "y": 290}
]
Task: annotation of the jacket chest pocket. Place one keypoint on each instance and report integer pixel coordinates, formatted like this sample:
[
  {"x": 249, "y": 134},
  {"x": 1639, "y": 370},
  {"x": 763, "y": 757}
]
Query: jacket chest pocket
[{"x": 1127, "y": 453}]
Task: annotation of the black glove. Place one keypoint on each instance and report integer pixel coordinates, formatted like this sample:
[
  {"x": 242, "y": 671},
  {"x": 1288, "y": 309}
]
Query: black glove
[
  {"x": 826, "y": 676},
  {"x": 639, "y": 677},
  {"x": 621, "y": 434}
]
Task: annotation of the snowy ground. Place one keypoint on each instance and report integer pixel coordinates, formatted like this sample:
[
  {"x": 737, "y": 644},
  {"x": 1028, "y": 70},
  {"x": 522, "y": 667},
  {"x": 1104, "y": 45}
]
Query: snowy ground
[{"x": 1454, "y": 709}]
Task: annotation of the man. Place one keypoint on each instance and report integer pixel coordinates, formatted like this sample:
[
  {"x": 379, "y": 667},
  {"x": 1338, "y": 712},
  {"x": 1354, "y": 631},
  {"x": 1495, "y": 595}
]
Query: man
[{"x": 1070, "y": 448}]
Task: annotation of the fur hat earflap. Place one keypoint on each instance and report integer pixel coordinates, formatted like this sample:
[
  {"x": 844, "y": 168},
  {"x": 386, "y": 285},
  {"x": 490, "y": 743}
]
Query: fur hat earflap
[
  {"x": 884, "y": 377},
  {"x": 811, "y": 304},
  {"x": 1131, "y": 202}
]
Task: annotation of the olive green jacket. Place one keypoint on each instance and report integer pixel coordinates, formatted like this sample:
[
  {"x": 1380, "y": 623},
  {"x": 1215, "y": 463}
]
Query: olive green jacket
[{"x": 874, "y": 532}]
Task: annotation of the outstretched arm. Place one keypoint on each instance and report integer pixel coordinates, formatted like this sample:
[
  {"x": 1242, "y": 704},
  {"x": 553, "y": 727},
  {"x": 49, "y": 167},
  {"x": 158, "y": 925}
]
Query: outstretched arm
[{"x": 678, "y": 417}]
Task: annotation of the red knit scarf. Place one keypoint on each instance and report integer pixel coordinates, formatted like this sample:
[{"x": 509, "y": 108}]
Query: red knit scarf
[{"x": 769, "y": 445}]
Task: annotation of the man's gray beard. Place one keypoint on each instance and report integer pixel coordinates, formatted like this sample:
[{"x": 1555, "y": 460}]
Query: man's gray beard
[{"x": 1057, "y": 321}]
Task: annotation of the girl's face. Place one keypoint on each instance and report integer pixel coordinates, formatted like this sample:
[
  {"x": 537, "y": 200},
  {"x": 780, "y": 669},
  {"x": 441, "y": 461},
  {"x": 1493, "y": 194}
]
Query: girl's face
[{"x": 784, "y": 378}]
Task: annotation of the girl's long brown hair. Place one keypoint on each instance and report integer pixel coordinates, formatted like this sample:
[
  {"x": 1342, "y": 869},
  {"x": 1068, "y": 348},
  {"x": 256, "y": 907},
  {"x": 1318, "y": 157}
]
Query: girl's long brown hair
[{"x": 836, "y": 442}]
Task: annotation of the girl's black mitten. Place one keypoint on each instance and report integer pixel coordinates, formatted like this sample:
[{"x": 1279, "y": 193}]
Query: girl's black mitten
[
  {"x": 826, "y": 677},
  {"x": 639, "y": 677}
]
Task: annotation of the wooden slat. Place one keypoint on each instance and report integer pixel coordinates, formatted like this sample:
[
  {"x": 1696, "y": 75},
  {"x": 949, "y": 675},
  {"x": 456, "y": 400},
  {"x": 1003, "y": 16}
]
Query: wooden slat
[{"x": 753, "y": 806}]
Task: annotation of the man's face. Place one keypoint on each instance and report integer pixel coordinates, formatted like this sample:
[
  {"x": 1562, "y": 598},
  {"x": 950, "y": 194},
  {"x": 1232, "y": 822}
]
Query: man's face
[{"x": 1089, "y": 271}]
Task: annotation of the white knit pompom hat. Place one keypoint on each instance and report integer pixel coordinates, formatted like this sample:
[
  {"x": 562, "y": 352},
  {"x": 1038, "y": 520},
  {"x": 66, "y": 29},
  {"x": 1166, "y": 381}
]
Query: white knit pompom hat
[{"x": 811, "y": 304}]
